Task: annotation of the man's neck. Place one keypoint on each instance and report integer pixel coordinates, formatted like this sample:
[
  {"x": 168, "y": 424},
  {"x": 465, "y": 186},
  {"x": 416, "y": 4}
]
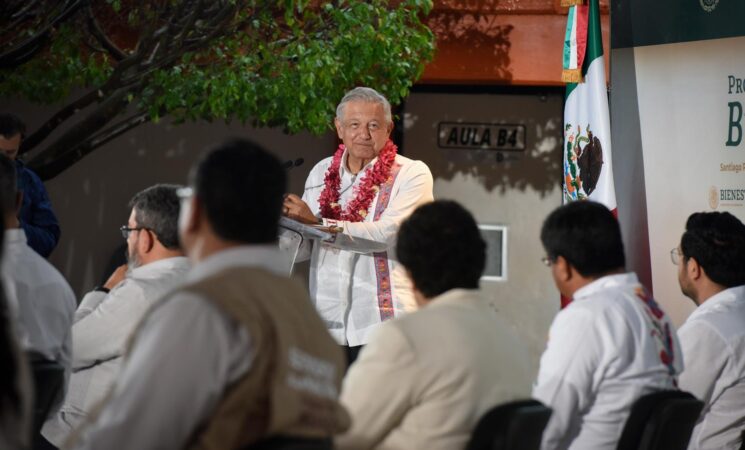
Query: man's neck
[
  {"x": 11, "y": 222},
  {"x": 355, "y": 165},
  {"x": 159, "y": 255},
  {"x": 707, "y": 290},
  {"x": 582, "y": 281}
]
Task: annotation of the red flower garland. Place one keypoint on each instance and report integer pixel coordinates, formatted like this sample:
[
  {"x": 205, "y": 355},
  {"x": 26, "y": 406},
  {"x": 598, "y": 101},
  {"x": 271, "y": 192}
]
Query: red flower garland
[{"x": 357, "y": 208}]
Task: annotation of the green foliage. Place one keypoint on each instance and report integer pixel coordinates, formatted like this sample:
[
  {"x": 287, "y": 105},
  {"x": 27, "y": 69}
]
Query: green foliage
[{"x": 286, "y": 63}]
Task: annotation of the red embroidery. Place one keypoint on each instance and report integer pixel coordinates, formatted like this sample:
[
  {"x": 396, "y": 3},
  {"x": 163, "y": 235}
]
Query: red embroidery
[{"x": 382, "y": 270}]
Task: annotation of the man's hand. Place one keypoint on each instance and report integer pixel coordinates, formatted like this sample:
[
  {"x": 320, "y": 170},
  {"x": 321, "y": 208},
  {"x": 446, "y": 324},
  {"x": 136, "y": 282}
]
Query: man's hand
[
  {"x": 295, "y": 208},
  {"x": 116, "y": 277}
]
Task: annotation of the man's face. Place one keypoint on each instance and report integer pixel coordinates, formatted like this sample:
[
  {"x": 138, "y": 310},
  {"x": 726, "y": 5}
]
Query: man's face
[
  {"x": 684, "y": 280},
  {"x": 133, "y": 255},
  {"x": 9, "y": 147},
  {"x": 363, "y": 129}
]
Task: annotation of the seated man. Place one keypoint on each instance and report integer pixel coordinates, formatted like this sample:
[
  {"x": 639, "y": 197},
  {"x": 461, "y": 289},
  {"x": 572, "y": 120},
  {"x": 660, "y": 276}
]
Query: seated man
[
  {"x": 35, "y": 215},
  {"x": 107, "y": 316},
  {"x": 611, "y": 345},
  {"x": 711, "y": 257},
  {"x": 425, "y": 379},
  {"x": 237, "y": 354},
  {"x": 45, "y": 302}
]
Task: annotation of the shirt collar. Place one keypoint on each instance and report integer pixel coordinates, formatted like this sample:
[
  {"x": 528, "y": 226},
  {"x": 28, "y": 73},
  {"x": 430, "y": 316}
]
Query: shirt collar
[
  {"x": 343, "y": 165},
  {"x": 455, "y": 295},
  {"x": 608, "y": 281},
  {"x": 265, "y": 256},
  {"x": 155, "y": 268},
  {"x": 721, "y": 300},
  {"x": 14, "y": 236}
]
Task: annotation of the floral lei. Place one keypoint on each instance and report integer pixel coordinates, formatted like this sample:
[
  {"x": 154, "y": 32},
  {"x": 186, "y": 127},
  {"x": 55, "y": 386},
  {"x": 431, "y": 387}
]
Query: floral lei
[{"x": 357, "y": 208}]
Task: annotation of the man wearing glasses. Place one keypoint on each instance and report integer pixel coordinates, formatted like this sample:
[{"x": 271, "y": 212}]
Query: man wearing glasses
[
  {"x": 711, "y": 272},
  {"x": 108, "y": 315},
  {"x": 611, "y": 345}
]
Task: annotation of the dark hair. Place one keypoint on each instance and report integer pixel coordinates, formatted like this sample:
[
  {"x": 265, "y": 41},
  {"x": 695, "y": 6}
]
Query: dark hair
[
  {"x": 717, "y": 241},
  {"x": 241, "y": 187},
  {"x": 10, "y": 398},
  {"x": 587, "y": 235},
  {"x": 10, "y": 125},
  {"x": 442, "y": 248},
  {"x": 8, "y": 186},
  {"x": 157, "y": 209}
]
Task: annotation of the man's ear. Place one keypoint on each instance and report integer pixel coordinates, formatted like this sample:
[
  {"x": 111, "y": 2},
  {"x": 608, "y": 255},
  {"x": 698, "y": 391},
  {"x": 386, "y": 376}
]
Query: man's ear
[
  {"x": 339, "y": 128},
  {"x": 693, "y": 268},
  {"x": 194, "y": 215},
  {"x": 563, "y": 271},
  {"x": 146, "y": 241}
]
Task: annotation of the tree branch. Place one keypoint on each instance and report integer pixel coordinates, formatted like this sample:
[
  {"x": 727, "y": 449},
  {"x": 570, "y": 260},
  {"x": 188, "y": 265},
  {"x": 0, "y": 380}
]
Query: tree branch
[
  {"x": 96, "y": 30},
  {"x": 53, "y": 167},
  {"x": 26, "y": 50}
]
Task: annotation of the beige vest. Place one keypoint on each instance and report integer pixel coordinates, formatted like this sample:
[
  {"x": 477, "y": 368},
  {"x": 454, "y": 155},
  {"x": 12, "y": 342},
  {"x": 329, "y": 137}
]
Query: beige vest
[{"x": 293, "y": 384}]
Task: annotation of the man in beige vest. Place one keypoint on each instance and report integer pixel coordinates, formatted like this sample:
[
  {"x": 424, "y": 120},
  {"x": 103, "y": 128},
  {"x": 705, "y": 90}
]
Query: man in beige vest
[{"x": 237, "y": 355}]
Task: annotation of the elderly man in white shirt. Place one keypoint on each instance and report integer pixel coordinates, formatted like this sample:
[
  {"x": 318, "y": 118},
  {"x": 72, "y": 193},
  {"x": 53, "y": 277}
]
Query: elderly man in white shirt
[
  {"x": 610, "y": 345},
  {"x": 108, "y": 315},
  {"x": 45, "y": 302},
  {"x": 711, "y": 260},
  {"x": 366, "y": 190}
]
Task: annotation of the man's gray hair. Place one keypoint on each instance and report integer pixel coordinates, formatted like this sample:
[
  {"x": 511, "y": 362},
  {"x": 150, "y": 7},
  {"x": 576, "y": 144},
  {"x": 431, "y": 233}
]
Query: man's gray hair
[
  {"x": 364, "y": 94},
  {"x": 157, "y": 209}
]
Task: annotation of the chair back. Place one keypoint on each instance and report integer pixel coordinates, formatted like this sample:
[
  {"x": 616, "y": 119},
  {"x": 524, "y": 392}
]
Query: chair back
[
  {"x": 516, "y": 425},
  {"x": 49, "y": 377},
  {"x": 662, "y": 420}
]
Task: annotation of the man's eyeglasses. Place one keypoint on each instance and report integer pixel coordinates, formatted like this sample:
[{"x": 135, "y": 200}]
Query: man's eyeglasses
[
  {"x": 675, "y": 255},
  {"x": 126, "y": 230},
  {"x": 546, "y": 261}
]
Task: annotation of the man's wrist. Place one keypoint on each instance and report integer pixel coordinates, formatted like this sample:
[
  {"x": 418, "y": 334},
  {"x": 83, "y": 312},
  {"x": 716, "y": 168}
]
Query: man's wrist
[{"x": 103, "y": 289}]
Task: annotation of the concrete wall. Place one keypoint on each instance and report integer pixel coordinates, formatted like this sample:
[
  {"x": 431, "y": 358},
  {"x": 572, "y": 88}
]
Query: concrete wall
[{"x": 518, "y": 193}]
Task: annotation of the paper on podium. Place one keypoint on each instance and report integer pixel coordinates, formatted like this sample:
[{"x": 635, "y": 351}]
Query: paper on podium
[
  {"x": 307, "y": 231},
  {"x": 335, "y": 240}
]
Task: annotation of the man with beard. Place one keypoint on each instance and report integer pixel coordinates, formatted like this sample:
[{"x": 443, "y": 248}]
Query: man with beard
[
  {"x": 711, "y": 272},
  {"x": 108, "y": 315}
]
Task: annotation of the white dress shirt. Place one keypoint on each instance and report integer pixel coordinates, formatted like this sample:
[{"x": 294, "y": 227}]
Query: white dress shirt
[
  {"x": 103, "y": 325},
  {"x": 185, "y": 356},
  {"x": 346, "y": 286},
  {"x": 713, "y": 341},
  {"x": 45, "y": 302},
  {"x": 609, "y": 347},
  {"x": 425, "y": 379}
]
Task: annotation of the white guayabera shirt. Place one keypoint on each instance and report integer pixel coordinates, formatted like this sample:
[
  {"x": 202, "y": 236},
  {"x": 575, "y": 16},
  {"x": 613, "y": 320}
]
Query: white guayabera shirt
[
  {"x": 713, "y": 341},
  {"x": 609, "y": 347},
  {"x": 357, "y": 288}
]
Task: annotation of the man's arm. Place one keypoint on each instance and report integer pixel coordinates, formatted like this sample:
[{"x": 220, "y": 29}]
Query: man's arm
[
  {"x": 185, "y": 356},
  {"x": 36, "y": 217},
  {"x": 378, "y": 389},
  {"x": 704, "y": 354},
  {"x": 103, "y": 333},
  {"x": 415, "y": 190},
  {"x": 566, "y": 376}
]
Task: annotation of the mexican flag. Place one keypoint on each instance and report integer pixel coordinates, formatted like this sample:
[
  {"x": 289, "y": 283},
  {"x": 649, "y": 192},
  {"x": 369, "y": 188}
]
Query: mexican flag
[{"x": 588, "y": 171}]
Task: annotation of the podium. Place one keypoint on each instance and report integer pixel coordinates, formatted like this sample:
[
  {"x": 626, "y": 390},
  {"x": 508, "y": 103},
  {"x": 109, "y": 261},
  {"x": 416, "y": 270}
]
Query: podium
[{"x": 295, "y": 238}]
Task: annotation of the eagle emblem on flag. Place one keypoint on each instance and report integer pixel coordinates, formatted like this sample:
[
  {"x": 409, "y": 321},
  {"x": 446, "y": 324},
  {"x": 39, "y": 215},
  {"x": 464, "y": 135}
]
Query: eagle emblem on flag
[{"x": 583, "y": 163}]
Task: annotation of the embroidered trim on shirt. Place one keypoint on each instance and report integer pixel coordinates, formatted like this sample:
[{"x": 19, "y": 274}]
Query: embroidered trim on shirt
[{"x": 382, "y": 269}]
